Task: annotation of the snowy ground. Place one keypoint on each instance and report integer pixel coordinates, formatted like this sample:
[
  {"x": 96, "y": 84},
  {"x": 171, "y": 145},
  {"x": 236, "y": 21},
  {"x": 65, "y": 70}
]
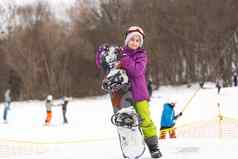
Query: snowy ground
[{"x": 90, "y": 134}]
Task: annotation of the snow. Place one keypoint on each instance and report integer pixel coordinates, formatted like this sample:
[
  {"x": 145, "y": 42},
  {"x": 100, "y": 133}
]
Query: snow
[{"x": 91, "y": 135}]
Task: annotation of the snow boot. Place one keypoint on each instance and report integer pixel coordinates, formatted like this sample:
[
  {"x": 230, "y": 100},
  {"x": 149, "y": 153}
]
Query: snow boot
[{"x": 152, "y": 143}]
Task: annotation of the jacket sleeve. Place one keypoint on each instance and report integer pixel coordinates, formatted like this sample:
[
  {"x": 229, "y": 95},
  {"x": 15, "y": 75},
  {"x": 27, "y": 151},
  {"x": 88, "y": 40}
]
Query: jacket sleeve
[
  {"x": 167, "y": 117},
  {"x": 135, "y": 67},
  {"x": 178, "y": 115}
]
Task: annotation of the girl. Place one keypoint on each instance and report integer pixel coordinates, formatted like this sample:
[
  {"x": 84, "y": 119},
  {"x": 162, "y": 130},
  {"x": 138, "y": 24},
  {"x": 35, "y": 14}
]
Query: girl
[{"x": 134, "y": 61}]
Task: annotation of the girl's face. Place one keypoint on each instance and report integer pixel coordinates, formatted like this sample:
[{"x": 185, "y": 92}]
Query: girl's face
[{"x": 134, "y": 42}]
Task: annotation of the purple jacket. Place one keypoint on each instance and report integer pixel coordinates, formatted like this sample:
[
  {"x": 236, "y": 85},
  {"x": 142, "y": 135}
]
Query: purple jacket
[{"x": 134, "y": 62}]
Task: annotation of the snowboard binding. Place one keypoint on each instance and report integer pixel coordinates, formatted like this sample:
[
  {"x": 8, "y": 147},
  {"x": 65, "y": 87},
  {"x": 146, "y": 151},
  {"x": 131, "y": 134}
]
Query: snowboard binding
[
  {"x": 126, "y": 119},
  {"x": 116, "y": 80}
]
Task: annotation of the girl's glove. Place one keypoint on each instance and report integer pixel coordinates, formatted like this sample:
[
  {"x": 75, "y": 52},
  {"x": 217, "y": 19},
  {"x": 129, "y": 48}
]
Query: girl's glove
[{"x": 122, "y": 53}]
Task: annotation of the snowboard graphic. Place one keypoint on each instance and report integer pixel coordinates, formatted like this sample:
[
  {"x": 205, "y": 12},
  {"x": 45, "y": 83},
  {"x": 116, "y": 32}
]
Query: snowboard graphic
[{"x": 130, "y": 137}]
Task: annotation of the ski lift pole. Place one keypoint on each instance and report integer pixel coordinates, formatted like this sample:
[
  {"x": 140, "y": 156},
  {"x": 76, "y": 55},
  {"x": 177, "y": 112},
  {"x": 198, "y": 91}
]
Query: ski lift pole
[
  {"x": 190, "y": 99},
  {"x": 220, "y": 118}
]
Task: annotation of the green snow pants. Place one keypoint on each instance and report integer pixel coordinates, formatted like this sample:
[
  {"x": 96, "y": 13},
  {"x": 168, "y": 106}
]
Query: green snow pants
[{"x": 147, "y": 126}]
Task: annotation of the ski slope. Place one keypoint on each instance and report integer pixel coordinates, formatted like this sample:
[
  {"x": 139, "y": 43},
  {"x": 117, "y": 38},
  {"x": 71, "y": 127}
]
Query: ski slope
[{"x": 90, "y": 135}]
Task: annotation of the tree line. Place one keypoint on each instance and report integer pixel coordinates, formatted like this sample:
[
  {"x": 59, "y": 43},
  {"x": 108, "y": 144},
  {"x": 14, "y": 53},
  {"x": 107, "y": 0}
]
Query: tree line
[{"x": 188, "y": 41}]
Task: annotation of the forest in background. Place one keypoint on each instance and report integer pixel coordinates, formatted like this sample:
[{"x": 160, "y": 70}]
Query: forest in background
[{"x": 188, "y": 41}]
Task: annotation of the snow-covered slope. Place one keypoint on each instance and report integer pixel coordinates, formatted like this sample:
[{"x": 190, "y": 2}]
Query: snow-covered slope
[{"x": 90, "y": 134}]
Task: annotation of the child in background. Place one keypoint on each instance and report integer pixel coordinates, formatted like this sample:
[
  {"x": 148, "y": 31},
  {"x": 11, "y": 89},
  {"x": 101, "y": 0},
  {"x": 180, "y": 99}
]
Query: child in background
[
  {"x": 168, "y": 119},
  {"x": 219, "y": 84},
  {"x": 48, "y": 105},
  {"x": 64, "y": 103}
]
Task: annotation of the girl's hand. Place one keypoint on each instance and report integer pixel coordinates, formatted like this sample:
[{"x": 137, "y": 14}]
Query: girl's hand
[
  {"x": 118, "y": 64},
  {"x": 122, "y": 53}
]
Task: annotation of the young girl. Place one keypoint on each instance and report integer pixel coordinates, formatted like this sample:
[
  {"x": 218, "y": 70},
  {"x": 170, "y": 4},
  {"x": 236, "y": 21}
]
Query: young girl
[{"x": 134, "y": 61}]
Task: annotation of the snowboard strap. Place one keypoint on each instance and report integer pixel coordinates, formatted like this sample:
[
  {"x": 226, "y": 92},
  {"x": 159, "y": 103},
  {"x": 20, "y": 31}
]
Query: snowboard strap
[{"x": 126, "y": 120}]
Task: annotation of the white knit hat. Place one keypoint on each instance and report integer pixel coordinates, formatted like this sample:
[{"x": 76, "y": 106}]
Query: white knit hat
[{"x": 132, "y": 31}]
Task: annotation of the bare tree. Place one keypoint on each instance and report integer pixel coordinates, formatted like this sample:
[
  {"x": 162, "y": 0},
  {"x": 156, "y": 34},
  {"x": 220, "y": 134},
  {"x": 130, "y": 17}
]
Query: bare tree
[{"x": 187, "y": 41}]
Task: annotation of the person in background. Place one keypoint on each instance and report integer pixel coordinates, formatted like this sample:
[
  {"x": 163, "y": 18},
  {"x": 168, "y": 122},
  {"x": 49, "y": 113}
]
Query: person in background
[
  {"x": 7, "y": 103},
  {"x": 201, "y": 84},
  {"x": 48, "y": 105},
  {"x": 64, "y": 103},
  {"x": 235, "y": 79},
  {"x": 168, "y": 119},
  {"x": 219, "y": 84}
]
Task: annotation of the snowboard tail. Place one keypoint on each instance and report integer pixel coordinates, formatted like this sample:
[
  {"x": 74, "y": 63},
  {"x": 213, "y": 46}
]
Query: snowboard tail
[{"x": 130, "y": 137}]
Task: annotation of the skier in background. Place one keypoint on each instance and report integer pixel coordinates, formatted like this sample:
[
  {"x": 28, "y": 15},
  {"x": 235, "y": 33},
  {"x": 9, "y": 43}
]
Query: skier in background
[
  {"x": 235, "y": 79},
  {"x": 64, "y": 103},
  {"x": 235, "y": 75},
  {"x": 48, "y": 105},
  {"x": 168, "y": 119},
  {"x": 7, "y": 103},
  {"x": 219, "y": 84},
  {"x": 201, "y": 84}
]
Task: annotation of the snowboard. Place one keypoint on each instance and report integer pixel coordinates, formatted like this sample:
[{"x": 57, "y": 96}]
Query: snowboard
[
  {"x": 125, "y": 118},
  {"x": 131, "y": 139}
]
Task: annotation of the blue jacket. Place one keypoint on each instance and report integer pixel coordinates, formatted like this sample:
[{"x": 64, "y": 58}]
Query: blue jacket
[{"x": 168, "y": 116}]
